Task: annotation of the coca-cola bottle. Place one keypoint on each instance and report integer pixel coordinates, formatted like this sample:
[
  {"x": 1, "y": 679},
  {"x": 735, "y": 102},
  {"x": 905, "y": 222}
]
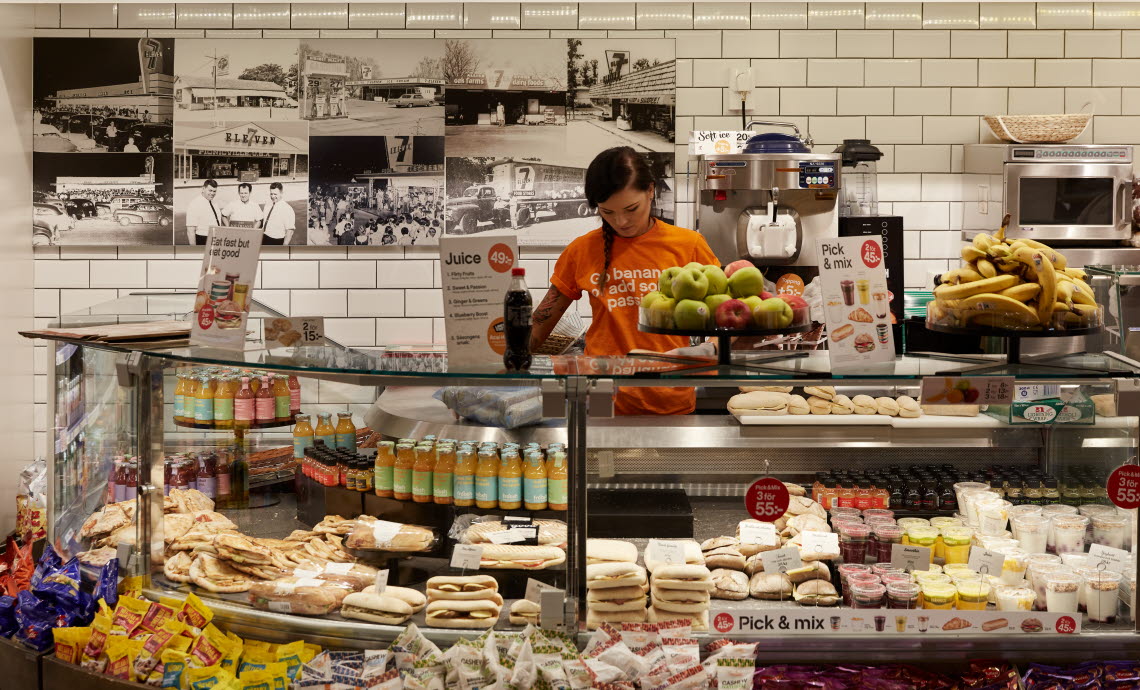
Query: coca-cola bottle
[{"x": 517, "y": 306}]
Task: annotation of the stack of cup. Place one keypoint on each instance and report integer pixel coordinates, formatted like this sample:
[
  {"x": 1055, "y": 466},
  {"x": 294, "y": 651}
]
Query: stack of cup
[
  {"x": 1049, "y": 512},
  {"x": 1032, "y": 532}
]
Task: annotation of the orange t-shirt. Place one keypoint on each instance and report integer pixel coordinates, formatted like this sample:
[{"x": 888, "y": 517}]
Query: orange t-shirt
[{"x": 635, "y": 265}]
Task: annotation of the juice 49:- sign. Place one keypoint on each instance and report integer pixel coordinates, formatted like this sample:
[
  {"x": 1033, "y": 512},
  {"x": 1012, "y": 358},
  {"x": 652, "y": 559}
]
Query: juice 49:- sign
[{"x": 475, "y": 272}]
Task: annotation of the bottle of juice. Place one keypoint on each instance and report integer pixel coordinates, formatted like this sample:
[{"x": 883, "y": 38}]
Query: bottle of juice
[
  {"x": 281, "y": 398},
  {"x": 224, "y": 402},
  {"x": 534, "y": 481},
  {"x": 465, "y": 464},
  {"x": 557, "y": 476},
  {"x": 382, "y": 472},
  {"x": 487, "y": 479},
  {"x": 421, "y": 474},
  {"x": 243, "y": 405},
  {"x": 345, "y": 432},
  {"x": 402, "y": 471},
  {"x": 294, "y": 394},
  {"x": 263, "y": 403},
  {"x": 254, "y": 382},
  {"x": 208, "y": 474},
  {"x": 180, "y": 396},
  {"x": 302, "y": 436},
  {"x": 510, "y": 480},
  {"x": 204, "y": 403},
  {"x": 443, "y": 474},
  {"x": 325, "y": 431},
  {"x": 222, "y": 478}
]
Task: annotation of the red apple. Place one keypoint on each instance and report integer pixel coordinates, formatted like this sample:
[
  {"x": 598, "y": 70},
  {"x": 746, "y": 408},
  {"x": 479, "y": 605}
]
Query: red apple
[
  {"x": 736, "y": 266},
  {"x": 733, "y": 313},
  {"x": 794, "y": 301},
  {"x": 766, "y": 295}
]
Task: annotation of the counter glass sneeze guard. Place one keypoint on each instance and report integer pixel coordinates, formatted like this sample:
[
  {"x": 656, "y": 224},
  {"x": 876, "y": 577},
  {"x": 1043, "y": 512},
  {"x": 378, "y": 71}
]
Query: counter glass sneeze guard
[{"x": 619, "y": 455}]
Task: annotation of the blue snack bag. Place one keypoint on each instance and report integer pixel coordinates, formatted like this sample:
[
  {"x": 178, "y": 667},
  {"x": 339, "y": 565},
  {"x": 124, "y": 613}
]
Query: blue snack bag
[
  {"x": 48, "y": 562},
  {"x": 107, "y": 588},
  {"x": 8, "y": 624},
  {"x": 60, "y": 585},
  {"x": 35, "y": 619}
]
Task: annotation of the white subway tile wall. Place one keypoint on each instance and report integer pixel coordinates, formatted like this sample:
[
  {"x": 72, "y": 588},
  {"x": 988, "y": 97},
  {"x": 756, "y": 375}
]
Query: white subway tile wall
[{"x": 912, "y": 76}]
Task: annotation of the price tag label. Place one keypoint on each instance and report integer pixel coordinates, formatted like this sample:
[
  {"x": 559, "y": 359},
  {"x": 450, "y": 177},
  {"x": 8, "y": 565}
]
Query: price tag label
[
  {"x": 911, "y": 557},
  {"x": 381, "y": 581},
  {"x": 513, "y": 521},
  {"x": 385, "y": 532},
  {"x": 767, "y": 499},
  {"x": 667, "y": 552},
  {"x": 986, "y": 561},
  {"x": 294, "y": 331},
  {"x": 781, "y": 560},
  {"x": 467, "y": 556},
  {"x": 958, "y": 390},
  {"x": 338, "y": 568},
  {"x": 1041, "y": 414},
  {"x": 760, "y": 533},
  {"x": 1116, "y": 560},
  {"x": 1124, "y": 487},
  {"x": 819, "y": 542},
  {"x": 524, "y": 526},
  {"x": 535, "y": 588},
  {"x": 507, "y": 536}
]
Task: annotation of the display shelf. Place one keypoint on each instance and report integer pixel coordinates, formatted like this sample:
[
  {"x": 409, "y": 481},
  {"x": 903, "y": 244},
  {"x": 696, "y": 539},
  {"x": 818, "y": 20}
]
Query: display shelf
[
  {"x": 725, "y": 364},
  {"x": 253, "y": 425}
]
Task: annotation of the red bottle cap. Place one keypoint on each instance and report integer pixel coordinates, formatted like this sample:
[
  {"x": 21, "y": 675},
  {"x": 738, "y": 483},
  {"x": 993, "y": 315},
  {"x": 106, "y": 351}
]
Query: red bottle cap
[{"x": 518, "y": 272}]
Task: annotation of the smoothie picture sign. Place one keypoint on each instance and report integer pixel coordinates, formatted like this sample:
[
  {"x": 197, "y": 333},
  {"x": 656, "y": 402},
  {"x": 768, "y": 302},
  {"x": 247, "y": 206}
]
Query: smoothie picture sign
[
  {"x": 475, "y": 272},
  {"x": 856, "y": 303},
  {"x": 225, "y": 287}
]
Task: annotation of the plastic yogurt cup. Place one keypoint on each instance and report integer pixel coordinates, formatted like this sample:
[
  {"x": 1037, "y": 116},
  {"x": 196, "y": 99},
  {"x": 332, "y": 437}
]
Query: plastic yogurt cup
[
  {"x": 1032, "y": 532},
  {"x": 1013, "y": 569},
  {"x": 1108, "y": 529},
  {"x": 1069, "y": 532},
  {"x": 1015, "y": 598},
  {"x": 1037, "y": 572},
  {"x": 1049, "y": 512},
  {"x": 973, "y": 595},
  {"x": 1102, "y": 596},
  {"x": 1062, "y": 591},
  {"x": 993, "y": 514}
]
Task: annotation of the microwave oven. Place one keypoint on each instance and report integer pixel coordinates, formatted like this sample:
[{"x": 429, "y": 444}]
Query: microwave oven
[{"x": 1067, "y": 193}]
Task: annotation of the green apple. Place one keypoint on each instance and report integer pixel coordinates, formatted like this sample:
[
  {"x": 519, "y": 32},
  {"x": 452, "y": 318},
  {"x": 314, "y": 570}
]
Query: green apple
[
  {"x": 661, "y": 312},
  {"x": 718, "y": 281},
  {"x": 772, "y": 313},
  {"x": 752, "y": 301},
  {"x": 746, "y": 282},
  {"x": 690, "y": 283},
  {"x": 665, "y": 282},
  {"x": 649, "y": 298},
  {"x": 694, "y": 264},
  {"x": 691, "y": 313},
  {"x": 715, "y": 301}
]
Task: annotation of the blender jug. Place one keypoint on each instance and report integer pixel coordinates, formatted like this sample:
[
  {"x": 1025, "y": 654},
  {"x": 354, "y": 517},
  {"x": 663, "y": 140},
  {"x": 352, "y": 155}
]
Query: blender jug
[{"x": 860, "y": 178}]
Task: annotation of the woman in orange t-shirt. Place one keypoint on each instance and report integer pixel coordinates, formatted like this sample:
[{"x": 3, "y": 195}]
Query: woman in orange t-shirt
[{"x": 616, "y": 265}]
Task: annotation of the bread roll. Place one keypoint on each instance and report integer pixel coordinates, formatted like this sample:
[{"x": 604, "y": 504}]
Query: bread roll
[
  {"x": 725, "y": 557},
  {"x": 409, "y": 596},
  {"x": 478, "y": 614},
  {"x": 759, "y": 403},
  {"x": 692, "y": 551},
  {"x": 610, "y": 551},
  {"x": 376, "y": 608},
  {"x": 772, "y": 586},
  {"x": 825, "y": 392},
  {"x": 816, "y": 593},
  {"x": 718, "y": 543},
  {"x": 524, "y": 612},
  {"x": 694, "y": 577},
  {"x": 865, "y": 404},
  {"x": 798, "y": 405},
  {"x": 729, "y": 584},
  {"x": 841, "y": 404},
  {"x": 908, "y": 407},
  {"x": 887, "y": 406},
  {"x": 819, "y": 405},
  {"x": 608, "y": 575}
]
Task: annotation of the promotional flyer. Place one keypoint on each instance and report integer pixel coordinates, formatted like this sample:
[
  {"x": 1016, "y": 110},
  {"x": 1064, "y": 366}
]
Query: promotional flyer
[
  {"x": 225, "y": 288},
  {"x": 856, "y": 304},
  {"x": 476, "y": 271}
]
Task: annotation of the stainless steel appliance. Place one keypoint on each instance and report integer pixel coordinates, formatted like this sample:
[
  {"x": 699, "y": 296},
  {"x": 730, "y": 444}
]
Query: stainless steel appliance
[
  {"x": 771, "y": 203},
  {"x": 1061, "y": 193}
]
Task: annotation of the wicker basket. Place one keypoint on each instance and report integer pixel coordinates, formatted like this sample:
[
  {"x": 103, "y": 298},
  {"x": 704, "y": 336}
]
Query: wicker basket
[{"x": 1038, "y": 129}]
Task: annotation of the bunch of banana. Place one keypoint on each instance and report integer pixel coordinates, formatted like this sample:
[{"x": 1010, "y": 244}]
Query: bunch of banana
[{"x": 1018, "y": 284}]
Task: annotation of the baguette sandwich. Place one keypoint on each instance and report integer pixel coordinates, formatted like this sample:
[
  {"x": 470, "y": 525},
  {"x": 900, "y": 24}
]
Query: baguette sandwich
[
  {"x": 460, "y": 587},
  {"x": 610, "y": 551},
  {"x": 524, "y": 612},
  {"x": 614, "y": 599},
  {"x": 299, "y": 596},
  {"x": 477, "y": 613},
  {"x": 411, "y": 597},
  {"x": 371, "y": 533},
  {"x": 376, "y": 608},
  {"x": 514, "y": 557},
  {"x": 683, "y": 577},
  {"x": 610, "y": 575}
]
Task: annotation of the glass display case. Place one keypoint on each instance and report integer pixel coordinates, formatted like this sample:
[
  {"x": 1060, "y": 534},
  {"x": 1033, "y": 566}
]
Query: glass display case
[{"x": 870, "y": 474}]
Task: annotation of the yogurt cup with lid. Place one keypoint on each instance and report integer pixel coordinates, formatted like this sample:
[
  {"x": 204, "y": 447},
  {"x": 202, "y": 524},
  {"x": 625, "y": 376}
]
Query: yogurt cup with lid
[
  {"x": 1015, "y": 598},
  {"x": 1062, "y": 591}
]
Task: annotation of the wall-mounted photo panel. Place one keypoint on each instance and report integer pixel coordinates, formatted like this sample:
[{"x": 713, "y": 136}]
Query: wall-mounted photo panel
[
  {"x": 376, "y": 191},
  {"x": 225, "y": 80},
  {"x": 371, "y": 87},
  {"x": 505, "y": 98},
  {"x": 119, "y": 199},
  {"x": 623, "y": 92},
  {"x": 103, "y": 95},
  {"x": 241, "y": 173}
]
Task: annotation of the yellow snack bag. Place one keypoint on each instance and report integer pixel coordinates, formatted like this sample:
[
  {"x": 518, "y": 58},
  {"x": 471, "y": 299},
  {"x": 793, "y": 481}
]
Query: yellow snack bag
[
  {"x": 260, "y": 645},
  {"x": 210, "y": 648},
  {"x": 104, "y": 608},
  {"x": 311, "y": 651},
  {"x": 171, "y": 602},
  {"x": 256, "y": 680},
  {"x": 279, "y": 668},
  {"x": 121, "y": 654},
  {"x": 174, "y": 665},
  {"x": 129, "y": 613},
  {"x": 230, "y": 660},
  {"x": 181, "y": 643},
  {"x": 155, "y": 616},
  {"x": 153, "y": 645},
  {"x": 92, "y": 658},
  {"x": 195, "y": 613},
  {"x": 131, "y": 587},
  {"x": 69, "y": 643},
  {"x": 206, "y": 678},
  {"x": 255, "y": 659},
  {"x": 291, "y": 655}
]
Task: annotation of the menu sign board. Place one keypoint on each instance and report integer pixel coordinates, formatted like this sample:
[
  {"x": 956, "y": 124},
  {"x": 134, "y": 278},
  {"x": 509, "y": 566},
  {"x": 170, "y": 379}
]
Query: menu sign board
[
  {"x": 476, "y": 272},
  {"x": 225, "y": 288},
  {"x": 856, "y": 304},
  {"x": 706, "y": 142}
]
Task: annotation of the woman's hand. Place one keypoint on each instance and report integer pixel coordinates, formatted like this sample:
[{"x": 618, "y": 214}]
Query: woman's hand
[
  {"x": 546, "y": 316},
  {"x": 706, "y": 349}
]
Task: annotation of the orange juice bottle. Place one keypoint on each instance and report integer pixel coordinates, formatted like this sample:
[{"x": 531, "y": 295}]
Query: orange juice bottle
[
  {"x": 302, "y": 436},
  {"x": 204, "y": 403},
  {"x": 402, "y": 471},
  {"x": 243, "y": 405},
  {"x": 443, "y": 476},
  {"x": 190, "y": 400},
  {"x": 263, "y": 403},
  {"x": 487, "y": 479},
  {"x": 224, "y": 402},
  {"x": 557, "y": 476},
  {"x": 325, "y": 432},
  {"x": 510, "y": 480},
  {"x": 281, "y": 398},
  {"x": 464, "y": 486},
  {"x": 385, "y": 464},
  {"x": 180, "y": 396},
  {"x": 534, "y": 481},
  {"x": 421, "y": 474},
  {"x": 345, "y": 432}
]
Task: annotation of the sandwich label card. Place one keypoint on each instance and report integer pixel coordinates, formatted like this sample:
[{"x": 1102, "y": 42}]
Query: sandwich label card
[
  {"x": 856, "y": 303},
  {"x": 295, "y": 331},
  {"x": 819, "y": 542},
  {"x": 535, "y": 588},
  {"x": 467, "y": 556},
  {"x": 781, "y": 560},
  {"x": 986, "y": 561},
  {"x": 385, "y": 531},
  {"x": 381, "y": 581},
  {"x": 507, "y": 536},
  {"x": 667, "y": 552},
  {"x": 338, "y": 568},
  {"x": 911, "y": 558},
  {"x": 225, "y": 287},
  {"x": 760, "y": 533},
  {"x": 743, "y": 621},
  {"x": 1116, "y": 560},
  {"x": 475, "y": 271}
]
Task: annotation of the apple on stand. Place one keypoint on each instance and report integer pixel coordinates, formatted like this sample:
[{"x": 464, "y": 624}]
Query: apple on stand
[
  {"x": 715, "y": 301},
  {"x": 752, "y": 301},
  {"x": 690, "y": 284},
  {"x": 691, "y": 314},
  {"x": 665, "y": 281},
  {"x": 718, "y": 281},
  {"x": 660, "y": 312},
  {"x": 772, "y": 313},
  {"x": 746, "y": 282},
  {"x": 736, "y": 266},
  {"x": 801, "y": 312},
  {"x": 733, "y": 314}
]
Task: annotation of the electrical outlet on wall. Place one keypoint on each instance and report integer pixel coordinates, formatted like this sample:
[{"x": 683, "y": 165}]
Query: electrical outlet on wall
[{"x": 741, "y": 84}]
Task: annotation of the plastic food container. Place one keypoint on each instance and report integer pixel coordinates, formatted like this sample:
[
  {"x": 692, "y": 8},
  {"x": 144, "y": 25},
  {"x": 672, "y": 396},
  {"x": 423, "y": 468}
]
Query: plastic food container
[
  {"x": 1013, "y": 569},
  {"x": 993, "y": 514},
  {"x": 854, "y": 580},
  {"x": 956, "y": 544},
  {"x": 1032, "y": 532},
  {"x": 904, "y": 595},
  {"x": 973, "y": 595},
  {"x": 1108, "y": 529},
  {"x": 1049, "y": 512},
  {"x": 1038, "y": 572},
  {"x": 923, "y": 535},
  {"x": 886, "y": 536},
  {"x": 939, "y": 595},
  {"x": 1062, "y": 591},
  {"x": 853, "y": 538},
  {"x": 1015, "y": 598},
  {"x": 868, "y": 595},
  {"x": 1069, "y": 533},
  {"x": 1102, "y": 595}
]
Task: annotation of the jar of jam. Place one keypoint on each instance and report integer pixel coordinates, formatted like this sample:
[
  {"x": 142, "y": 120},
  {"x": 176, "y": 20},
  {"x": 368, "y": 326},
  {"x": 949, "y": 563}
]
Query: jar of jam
[
  {"x": 903, "y": 595},
  {"x": 886, "y": 536},
  {"x": 867, "y": 595}
]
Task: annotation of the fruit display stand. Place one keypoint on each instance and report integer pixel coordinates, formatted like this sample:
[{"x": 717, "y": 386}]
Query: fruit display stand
[
  {"x": 1014, "y": 363},
  {"x": 725, "y": 364}
]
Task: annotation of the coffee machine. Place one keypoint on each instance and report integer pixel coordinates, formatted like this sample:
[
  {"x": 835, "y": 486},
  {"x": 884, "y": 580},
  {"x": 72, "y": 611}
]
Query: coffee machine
[{"x": 770, "y": 203}]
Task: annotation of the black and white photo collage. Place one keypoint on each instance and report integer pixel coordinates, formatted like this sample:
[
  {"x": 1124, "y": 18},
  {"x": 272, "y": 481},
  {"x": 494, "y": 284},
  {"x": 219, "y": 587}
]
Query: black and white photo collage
[{"x": 327, "y": 142}]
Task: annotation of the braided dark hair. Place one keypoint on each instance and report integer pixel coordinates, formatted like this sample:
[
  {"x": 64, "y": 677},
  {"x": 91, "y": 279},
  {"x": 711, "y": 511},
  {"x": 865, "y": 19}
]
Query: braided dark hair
[{"x": 611, "y": 171}]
